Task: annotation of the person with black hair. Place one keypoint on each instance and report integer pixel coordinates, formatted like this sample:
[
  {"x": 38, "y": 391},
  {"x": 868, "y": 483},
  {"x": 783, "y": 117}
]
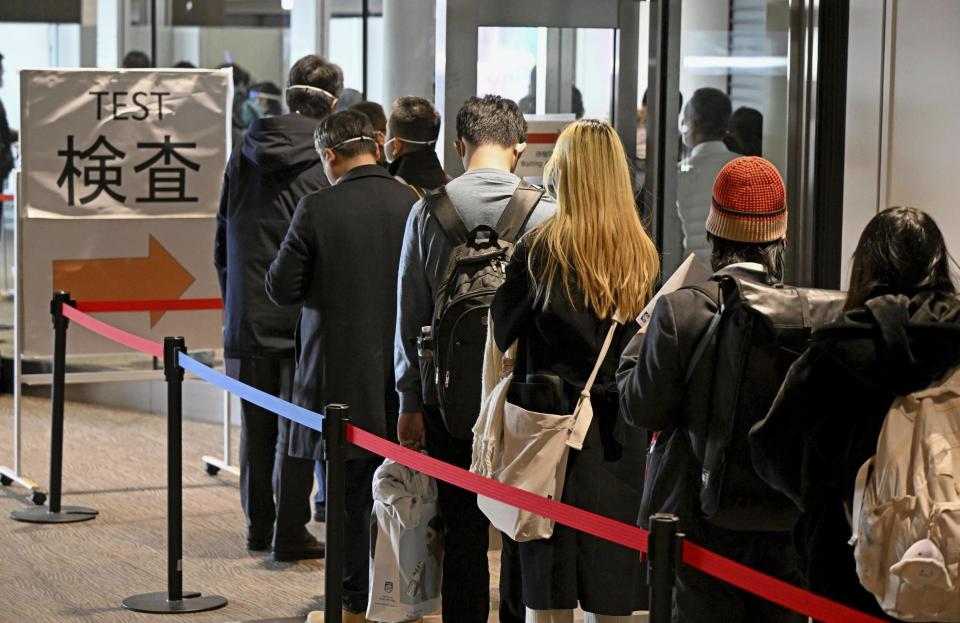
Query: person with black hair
[
  {"x": 378, "y": 118},
  {"x": 269, "y": 172},
  {"x": 899, "y": 335},
  {"x": 491, "y": 136},
  {"x": 745, "y": 132},
  {"x": 135, "y": 59},
  {"x": 268, "y": 99},
  {"x": 8, "y": 137},
  {"x": 702, "y": 128},
  {"x": 699, "y": 381},
  {"x": 240, "y": 119},
  {"x": 184, "y": 65},
  {"x": 410, "y": 145},
  {"x": 339, "y": 260}
]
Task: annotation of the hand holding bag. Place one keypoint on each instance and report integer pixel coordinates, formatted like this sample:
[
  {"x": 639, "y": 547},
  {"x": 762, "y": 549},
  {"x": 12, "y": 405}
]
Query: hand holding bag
[{"x": 532, "y": 453}]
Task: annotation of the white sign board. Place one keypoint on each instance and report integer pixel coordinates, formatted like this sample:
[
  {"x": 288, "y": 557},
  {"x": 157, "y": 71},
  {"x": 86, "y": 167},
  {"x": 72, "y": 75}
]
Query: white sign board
[
  {"x": 119, "y": 192},
  {"x": 542, "y": 133},
  {"x": 123, "y": 143}
]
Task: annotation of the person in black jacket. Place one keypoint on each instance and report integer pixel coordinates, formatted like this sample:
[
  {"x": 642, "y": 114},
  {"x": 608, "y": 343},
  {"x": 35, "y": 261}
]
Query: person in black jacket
[
  {"x": 411, "y": 144},
  {"x": 567, "y": 281},
  {"x": 339, "y": 260},
  {"x": 274, "y": 167},
  {"x": 900, "y": 334},
  {"x": 7, "y": 138},
  {"x": 747, "y": 226}
]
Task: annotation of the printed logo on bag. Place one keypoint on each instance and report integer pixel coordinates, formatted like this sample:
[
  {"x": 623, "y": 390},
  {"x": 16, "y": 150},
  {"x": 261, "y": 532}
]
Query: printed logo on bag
[{"x": 388, "y": 587}]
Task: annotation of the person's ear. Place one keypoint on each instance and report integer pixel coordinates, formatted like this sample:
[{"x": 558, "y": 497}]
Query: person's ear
[
  {"x": 399, "y": 148},
  {"x": 381, "y": 137},
  {"x": 333, "y": 105},
  {"x": 519, "y": 148},
  {"x": 331, "y": 157},
  {"x": 460, "y": 147}
]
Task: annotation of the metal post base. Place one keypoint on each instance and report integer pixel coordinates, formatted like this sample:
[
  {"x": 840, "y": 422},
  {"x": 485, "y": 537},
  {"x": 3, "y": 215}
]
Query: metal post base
[
  {"x": 42, "y": 514},
  {"x": 158, "y": 603}
]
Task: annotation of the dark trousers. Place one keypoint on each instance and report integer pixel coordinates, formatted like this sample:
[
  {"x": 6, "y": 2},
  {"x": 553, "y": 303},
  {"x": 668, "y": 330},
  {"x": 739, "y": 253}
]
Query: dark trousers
[
  {"x": 466, "y": 573},
  {"x": 274, "y": 487},
  {"x": 356, "y": 533},
  {"x": 699, "y": 597}
]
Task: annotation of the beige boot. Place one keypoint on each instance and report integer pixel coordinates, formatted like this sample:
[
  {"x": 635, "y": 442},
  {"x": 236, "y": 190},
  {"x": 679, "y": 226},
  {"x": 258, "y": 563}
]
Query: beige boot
[{"x": 354, "y": 617}]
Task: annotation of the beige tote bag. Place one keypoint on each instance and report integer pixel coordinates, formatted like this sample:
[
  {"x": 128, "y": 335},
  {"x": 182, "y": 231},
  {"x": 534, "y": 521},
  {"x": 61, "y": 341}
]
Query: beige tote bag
[{"x": 533, "y": 454}]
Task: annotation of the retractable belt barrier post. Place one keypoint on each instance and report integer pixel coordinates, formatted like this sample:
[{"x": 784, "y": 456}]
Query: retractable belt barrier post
[
  {"x": 667, "y": 548},
  {"x": 174, "y": 600},
  {"x": 334, "y": 447},
  {"x": 663, "y": 557},
  {"x": 55, "y": 513}
]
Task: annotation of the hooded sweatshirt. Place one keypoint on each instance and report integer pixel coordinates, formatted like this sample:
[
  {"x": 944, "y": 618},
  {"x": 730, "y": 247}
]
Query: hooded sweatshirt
[
  {"x": 275, "y": 166},
  {"x": 827, "y": 418}
]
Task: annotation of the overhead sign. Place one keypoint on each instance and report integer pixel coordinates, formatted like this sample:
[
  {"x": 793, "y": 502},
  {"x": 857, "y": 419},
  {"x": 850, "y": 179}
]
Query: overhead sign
[
  {"x": 542, "y": 133},
  {"x": 123, "y": 143}
]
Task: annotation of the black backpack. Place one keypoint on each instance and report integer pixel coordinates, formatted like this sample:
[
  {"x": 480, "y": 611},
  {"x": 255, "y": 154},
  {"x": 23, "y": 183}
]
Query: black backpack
[
  {"x": 451, "y": 349},
  {"x": 757, "y": 333}
]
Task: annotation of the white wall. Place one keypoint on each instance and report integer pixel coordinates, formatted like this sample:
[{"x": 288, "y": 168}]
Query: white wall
[{"x": 902, "y": 122}]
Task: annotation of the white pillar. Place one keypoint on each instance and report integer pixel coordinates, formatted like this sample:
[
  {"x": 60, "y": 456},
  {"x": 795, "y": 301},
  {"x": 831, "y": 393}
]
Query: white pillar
[
  {"x": 409, "y": 48},
  {"x": 309, "y": 25},
  {"x": 110, "y": 32}
]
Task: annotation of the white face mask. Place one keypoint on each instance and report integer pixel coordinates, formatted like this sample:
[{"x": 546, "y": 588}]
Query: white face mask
[
  {"x": 388, "y": 150},
  {"x": 307, "y": 87}
]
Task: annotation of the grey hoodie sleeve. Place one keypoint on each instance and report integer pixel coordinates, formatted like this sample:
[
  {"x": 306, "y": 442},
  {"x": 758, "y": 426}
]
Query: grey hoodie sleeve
[{"x": 414, "y": 310}]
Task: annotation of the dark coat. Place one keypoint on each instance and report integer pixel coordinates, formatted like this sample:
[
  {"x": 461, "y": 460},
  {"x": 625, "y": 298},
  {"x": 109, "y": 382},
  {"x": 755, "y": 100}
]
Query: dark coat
[
  {"x": 272, "y": 170},
  {"x": 656, "y": 395},
  {"x": 421, "y": 169},
  {"x": 7, "y": 138},
  {"x": 340, "y": 261},
  {"x": 605, "y": 477},
  {"x": 826, "y": 420}
]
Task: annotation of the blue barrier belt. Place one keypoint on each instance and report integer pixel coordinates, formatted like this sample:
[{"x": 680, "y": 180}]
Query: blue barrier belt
[{"x": 260, "y": 398}]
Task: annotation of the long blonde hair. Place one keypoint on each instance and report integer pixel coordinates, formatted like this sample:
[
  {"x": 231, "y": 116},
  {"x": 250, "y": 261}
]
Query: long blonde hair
[{"x": 595, "y": 239}]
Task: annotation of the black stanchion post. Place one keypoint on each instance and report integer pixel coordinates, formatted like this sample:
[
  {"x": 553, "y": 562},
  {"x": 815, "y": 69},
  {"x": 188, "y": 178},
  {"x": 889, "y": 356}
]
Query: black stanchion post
[
  {"x": 663, "y": 554},
  {"x": 55, "y": 513},
  {"x": 334, "y": 441},
  {"x": 174, "y": 600}
]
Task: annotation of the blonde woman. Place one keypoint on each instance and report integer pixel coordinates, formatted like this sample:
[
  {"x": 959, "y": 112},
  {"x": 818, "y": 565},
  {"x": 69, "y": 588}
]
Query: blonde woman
[{"x": 567, "y": 279}]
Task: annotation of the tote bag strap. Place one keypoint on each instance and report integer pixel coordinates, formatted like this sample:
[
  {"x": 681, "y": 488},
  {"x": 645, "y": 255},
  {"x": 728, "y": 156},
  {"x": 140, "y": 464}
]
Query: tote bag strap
[
  {"x": 585, "y": 393},
  {"x": 583, "y": 414}
]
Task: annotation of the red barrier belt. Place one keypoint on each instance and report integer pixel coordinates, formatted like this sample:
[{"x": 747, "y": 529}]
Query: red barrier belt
[
  {"x": 741, "y": 576},
  {"x": 591, "y": 523},
  {"x": 734, "y": 573},
  {"x": 7, "y": 198},
  {"x": 149, "y": 305},
  {"x": 772, "y": 589},
  {"x": 114, "y": 334}
]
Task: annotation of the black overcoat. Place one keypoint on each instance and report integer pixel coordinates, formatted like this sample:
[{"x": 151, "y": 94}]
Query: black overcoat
[
  {"x": 340, "y": 260},
  {"x": 268, "y": 174}
]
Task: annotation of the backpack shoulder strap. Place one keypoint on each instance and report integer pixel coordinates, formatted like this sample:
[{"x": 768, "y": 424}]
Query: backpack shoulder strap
[
  {"x": 524, "y": 199},
  {"x": 716, "y": 294},
  {"x": 439, "y": 204}
]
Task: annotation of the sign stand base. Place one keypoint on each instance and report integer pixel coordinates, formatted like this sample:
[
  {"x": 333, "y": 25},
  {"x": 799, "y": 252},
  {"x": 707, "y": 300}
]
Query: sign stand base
[
  {"x": 159, "y": 603},
  {"x": 42, "y": 514}
]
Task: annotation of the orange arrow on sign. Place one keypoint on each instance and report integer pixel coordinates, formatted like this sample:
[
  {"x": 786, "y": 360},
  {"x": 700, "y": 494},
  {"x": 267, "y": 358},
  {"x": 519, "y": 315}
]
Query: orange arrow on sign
[{"x": 157, "y": 276}]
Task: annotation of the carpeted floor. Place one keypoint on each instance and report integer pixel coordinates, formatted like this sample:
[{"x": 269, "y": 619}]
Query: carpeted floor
[{"x": 115, "y": 461}]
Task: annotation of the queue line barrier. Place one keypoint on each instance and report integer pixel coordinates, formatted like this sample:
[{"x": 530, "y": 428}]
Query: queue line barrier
[{"x": 663, "y": 546}]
